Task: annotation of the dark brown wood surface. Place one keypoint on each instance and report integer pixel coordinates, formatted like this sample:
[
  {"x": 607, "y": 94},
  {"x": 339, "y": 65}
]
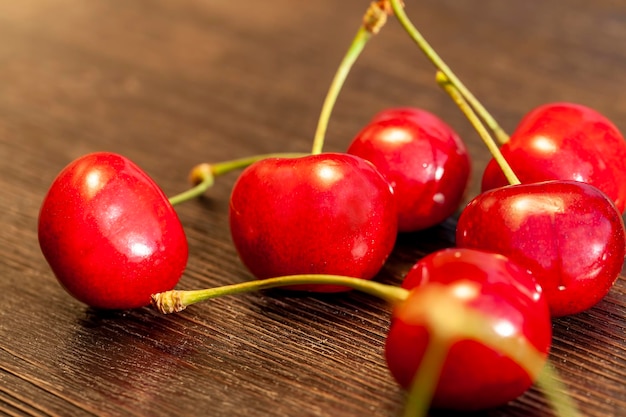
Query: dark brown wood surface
[{"x": 173, "y": 83}]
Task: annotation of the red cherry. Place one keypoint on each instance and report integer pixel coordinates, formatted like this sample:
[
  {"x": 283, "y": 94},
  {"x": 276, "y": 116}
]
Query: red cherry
[
  {"x": 569, "y": 234},
  {"x": 474, "y": 376},
  {"x": 423, "y": 159},
  {"x": 320, "y": 214},
  {"x": 565, "y": 141},
  {"x": 109, "y": 233}
]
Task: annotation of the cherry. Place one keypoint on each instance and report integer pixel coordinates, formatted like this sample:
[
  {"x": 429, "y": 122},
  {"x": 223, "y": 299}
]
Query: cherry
[
  {"x": 513, "y": 311},
  {"x": 109, "y": 233},
  {"x": 569, "y": 142},
  {"x": 568, "y": 233},
  {"x": 423, "y": 159},
  {"x": 328, "y": 213}
]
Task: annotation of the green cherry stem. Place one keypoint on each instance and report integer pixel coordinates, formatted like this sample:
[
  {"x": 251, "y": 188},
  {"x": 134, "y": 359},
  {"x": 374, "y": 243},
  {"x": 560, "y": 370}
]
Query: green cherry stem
[
  {"x": 335, "y": 87},
  {"x": 203, "y": 175},
  {"x": 176, "y": 300},
  {"x": 425, "y": 381},
  {"x": 439, "y": 63},
  {"x": 373, "y": 20},
  {"x": 484, "y": 134},
  {"x": 555, "y": 391}
]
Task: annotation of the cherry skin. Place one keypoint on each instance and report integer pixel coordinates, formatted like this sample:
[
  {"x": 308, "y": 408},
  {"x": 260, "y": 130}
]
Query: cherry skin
[
  {"x": 423, "y": 159},
  {"x": 402, "y": 112},
  {"x": 565, "y": 141},
  {"x": 474, "y": 376},
  {"x": 568, "y": 233},
  {"x": 329, "y": 213},
  {"x": 109, "y": 233}
]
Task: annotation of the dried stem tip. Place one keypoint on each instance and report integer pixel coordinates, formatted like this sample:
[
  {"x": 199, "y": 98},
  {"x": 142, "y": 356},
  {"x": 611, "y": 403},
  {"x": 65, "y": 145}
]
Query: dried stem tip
[
  {"x": 200, "y": 172},
  {"x": 168, "y": 302},
  {"x": 376, "y": 16}
]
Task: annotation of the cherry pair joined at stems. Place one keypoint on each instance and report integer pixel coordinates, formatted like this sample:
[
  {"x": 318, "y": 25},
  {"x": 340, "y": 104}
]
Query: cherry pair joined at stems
[
  {"x": 556, "y": 141},
  {"x": 568, "y": 233}
]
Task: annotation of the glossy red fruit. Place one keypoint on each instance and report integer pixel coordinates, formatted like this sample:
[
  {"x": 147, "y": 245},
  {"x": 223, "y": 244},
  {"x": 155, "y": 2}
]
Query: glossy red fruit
[
  {"x": 109, "y": 233},
  {"x": 423, "y": 159},
  {"x": 474, "y": 376},
  {"x": 565, "y": 141},
  {"x": 569, "y": 234},
  {"x": 395, "y": 112},
  {"x": 328, "y": 214}
]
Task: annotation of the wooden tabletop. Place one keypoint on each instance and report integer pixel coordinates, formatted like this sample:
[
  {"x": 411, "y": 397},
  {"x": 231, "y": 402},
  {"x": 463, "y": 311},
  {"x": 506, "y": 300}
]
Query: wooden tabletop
[{"x": 170, "y": 84}]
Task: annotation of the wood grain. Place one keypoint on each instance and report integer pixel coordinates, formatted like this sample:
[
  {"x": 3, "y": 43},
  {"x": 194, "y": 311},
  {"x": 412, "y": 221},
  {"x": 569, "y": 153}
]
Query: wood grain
[{"x": 174, "y": 83}]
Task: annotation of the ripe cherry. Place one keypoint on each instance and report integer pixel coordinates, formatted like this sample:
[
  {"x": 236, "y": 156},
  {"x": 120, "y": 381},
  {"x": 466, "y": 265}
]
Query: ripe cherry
[
  {"x": 109, "y": 233},
  {"x": 568, "y": 142},
  {"x": 568, "y": 233},
  {"x": 474, "y": 375},
  {"x": 327, "y": 213},
  {"x": 423, "y": 159}
]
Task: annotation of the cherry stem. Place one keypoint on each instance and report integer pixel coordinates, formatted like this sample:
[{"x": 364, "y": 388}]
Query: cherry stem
[
  {"x": 202, "y": 176},
  {"x": 484, "y": 134},
  {"x": 553, "y": 388},
  {"x": 425, "y": 380},
  {"x": 176, "y": 300},
  {"x": 438, "y": 62},
  {"x": 373, "y": 20}
]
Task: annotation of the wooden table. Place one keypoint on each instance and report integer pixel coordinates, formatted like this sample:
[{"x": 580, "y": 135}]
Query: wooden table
[{"x": 172, "y": 83}]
